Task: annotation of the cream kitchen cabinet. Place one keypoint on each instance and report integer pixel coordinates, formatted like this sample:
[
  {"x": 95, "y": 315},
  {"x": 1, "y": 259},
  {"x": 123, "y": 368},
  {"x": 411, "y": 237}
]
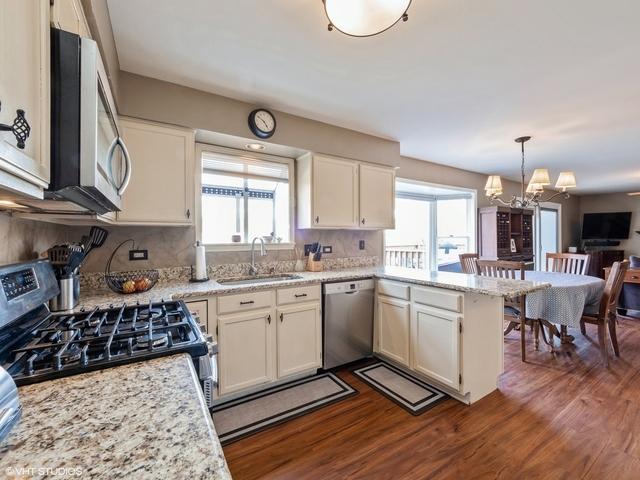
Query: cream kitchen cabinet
[
  {"x": 435, "y": 338},
  {"x": 327, "y": 192},
  {"x": 393, "y": 326},
  {"x": 266, "y": 336},
  {"x": 68, "y": 15},
  {"x": 377, "y": 197},
  {"x": 199, "y": 310},
  {"x": 25, "y": 87},
  {"x": 450, "y": 338},
  {"x": 341, "y": 193},
  {"x": 161, "y": 191},
  {"x": 246, "y": 347},
  {"x": 299, "y": 338}
]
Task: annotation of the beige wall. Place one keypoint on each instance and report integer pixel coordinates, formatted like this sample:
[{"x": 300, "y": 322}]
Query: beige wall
[
  {"x": 616, "y": 202},
  {"x": 165, "y": 102}
]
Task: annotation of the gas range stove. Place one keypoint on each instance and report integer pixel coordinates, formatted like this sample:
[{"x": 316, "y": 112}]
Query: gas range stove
[
  {"x": 74, "y": 343},
  {"x": 37, "y": 345}
]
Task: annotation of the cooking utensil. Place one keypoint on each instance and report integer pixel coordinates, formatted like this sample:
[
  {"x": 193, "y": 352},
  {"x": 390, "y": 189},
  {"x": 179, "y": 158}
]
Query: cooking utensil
[
  {"x": 59, "y": 254},
  {"x": 96, "y": 239},
  {"x": 74, "y": 262},
  {"x": 98, "y": 236}
]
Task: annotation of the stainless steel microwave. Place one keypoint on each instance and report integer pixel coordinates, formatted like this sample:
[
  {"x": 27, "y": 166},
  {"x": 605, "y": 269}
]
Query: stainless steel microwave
[{"x": 90, "y": 165}]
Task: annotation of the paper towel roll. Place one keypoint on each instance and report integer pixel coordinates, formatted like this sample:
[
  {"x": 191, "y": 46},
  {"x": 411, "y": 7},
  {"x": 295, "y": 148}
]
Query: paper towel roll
[{"x": 201, "y": 263}]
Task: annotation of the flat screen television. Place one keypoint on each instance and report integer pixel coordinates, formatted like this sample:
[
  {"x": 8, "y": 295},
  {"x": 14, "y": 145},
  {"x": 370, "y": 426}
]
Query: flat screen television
[{"x": 606, "y": 226}]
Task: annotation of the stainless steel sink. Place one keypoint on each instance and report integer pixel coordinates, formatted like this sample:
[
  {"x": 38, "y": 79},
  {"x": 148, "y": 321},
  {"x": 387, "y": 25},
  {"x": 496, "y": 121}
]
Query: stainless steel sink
[{"x": 257, "y": 279}]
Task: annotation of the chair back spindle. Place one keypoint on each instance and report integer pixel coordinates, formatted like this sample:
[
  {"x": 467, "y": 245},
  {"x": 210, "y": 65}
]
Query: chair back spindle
[
  {"x": 468, "y": 263},
  {"x": 575, "y": 263},
  {"x": 501, "y": 269}
]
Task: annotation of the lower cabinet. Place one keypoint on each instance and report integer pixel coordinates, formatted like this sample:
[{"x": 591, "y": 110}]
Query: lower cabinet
[
  {"x": 435, "y": 338},
  {"x": 393, "y": 328},
  {"x": 245, "y": 349},
  {"x": 298, "y": 338},
  {"x": 278, "y": 339}
]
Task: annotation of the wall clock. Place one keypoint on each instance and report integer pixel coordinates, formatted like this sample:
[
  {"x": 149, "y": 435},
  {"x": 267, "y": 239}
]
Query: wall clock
[{"x": 262, "y": 123}]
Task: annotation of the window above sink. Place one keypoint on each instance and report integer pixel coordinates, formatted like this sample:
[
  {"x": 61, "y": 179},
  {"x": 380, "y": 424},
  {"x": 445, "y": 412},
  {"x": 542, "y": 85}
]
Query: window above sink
[{"x": 244, "y": 195}]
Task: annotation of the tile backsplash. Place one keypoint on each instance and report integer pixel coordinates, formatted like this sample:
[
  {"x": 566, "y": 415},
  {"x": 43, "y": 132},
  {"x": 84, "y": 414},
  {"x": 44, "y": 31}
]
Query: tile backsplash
[
  {"x": 173, "y": 247},
  {"x": 167, "y": 246},
  {"x": 22, "y": 240}
]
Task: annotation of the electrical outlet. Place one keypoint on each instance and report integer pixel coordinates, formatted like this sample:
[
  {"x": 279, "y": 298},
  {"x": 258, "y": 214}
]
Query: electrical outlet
[
  {"x": 307, "y": 249},
  {"x": 361, "y": 243},
  {"x": 135, "y": 255},
  {"x": 327, "y": 249}
]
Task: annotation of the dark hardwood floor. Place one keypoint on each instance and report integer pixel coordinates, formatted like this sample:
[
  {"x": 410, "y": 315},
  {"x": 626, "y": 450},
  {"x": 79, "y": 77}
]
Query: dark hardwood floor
[{"x": 561, "y": 416}]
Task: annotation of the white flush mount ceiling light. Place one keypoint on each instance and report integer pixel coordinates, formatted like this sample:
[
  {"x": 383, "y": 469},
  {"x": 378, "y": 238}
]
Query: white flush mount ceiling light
[
  {"x": 364, "y": 18},
  {"x": 255, "y": 146}
]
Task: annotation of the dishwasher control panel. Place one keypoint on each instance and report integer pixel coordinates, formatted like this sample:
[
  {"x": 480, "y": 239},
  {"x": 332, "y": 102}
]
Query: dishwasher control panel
[{"x": 353, "y": 286}]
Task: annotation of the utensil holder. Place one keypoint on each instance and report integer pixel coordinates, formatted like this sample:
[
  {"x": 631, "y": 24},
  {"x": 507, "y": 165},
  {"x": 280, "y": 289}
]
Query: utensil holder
[
  {"x": 314, "y": 266},
  {"x": 69, "y": 294}
]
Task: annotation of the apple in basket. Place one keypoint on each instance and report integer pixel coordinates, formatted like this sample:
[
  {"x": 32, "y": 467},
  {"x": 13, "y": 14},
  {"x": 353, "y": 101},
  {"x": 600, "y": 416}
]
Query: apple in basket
[
  {"x": 143, "y": 284},
  {"x": 129, "y": 286}
]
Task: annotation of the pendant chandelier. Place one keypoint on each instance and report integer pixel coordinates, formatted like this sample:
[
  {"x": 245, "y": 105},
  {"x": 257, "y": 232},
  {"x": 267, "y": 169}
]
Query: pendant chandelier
[
  {"x": 532, "y": 194},
  {"x": 365, "y": 18}
]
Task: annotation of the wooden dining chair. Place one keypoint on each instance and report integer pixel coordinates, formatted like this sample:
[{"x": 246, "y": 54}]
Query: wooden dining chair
[
  {"x": 575, "y": 263},
  {"x": 514, "y": 308},
  {"x": 468, "y": 262},
  {"x": 605, "y": 317}
]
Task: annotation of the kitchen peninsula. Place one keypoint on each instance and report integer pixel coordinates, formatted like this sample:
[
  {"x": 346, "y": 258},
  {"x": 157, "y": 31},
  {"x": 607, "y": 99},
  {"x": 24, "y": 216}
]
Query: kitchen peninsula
[{"x": 445, "y": 327}]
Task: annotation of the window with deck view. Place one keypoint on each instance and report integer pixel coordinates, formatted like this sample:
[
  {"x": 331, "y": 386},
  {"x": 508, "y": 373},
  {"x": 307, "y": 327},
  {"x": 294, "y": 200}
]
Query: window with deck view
[
  {"x": 244, "y": 198},
  {"x": 434, "y": 225}
]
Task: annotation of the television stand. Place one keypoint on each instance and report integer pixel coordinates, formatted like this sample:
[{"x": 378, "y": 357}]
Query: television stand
[{"x": 601, "y": 243}]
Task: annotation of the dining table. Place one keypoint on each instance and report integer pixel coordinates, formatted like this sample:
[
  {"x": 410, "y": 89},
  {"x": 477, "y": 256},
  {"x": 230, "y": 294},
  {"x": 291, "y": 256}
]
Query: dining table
[{"x": 563, "y": 303}]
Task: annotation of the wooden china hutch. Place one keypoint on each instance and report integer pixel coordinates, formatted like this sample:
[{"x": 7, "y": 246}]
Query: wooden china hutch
[{"x": 502, "y": 230}]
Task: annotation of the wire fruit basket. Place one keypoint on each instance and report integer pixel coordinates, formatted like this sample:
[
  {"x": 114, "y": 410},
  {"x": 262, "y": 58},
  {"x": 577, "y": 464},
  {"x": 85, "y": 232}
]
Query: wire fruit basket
[{"x": 135, "y": 281}]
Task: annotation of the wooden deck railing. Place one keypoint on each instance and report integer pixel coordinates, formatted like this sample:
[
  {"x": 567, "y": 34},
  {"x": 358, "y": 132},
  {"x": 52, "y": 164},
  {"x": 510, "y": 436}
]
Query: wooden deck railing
[{"x": 407, "y": 256}]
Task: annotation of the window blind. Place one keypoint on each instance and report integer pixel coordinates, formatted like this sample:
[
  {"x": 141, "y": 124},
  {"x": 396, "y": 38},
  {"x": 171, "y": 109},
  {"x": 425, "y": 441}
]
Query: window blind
[{"x": 245, "y": 167}]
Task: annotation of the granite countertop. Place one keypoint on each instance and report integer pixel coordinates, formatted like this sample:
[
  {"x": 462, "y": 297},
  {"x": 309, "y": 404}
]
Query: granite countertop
[
  {"x": 175, "y": 290},
  {"x": 143, "y": 420}
]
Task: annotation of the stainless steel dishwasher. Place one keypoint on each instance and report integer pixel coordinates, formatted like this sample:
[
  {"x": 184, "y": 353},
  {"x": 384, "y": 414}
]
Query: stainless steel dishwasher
[{"x": 348, "y": 322}]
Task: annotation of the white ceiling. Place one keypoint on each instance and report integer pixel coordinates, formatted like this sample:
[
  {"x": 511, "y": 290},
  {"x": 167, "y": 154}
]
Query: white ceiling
[{"x": 454, "y": 85}]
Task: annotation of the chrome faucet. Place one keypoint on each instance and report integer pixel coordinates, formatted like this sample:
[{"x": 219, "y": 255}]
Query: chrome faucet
[{"x": 253, "y": 270}]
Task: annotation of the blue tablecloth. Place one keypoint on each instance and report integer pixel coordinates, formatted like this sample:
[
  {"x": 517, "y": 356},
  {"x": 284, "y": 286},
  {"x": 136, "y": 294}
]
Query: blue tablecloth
[{"x": 567, "y": 298}]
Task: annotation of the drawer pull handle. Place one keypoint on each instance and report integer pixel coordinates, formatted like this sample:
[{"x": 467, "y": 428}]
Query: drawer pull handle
[
  {"x": 299, "y": 295},
  {"x": 247, "y": 303}
]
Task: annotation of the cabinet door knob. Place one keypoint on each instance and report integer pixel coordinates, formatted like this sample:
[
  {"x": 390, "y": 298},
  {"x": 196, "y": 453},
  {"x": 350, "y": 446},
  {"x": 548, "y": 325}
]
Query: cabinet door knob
[
  {"x": 188, "y": 213},
  {"x": 363, "y": 220},
  {"x": 317, "y": 219},
  {"x": 20, "y": 128},
  {"x": 281, "y": 317},
  {"x": 269, "y": 319}
]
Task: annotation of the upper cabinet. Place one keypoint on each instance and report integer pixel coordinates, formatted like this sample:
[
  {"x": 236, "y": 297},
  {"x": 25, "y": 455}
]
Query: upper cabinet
[
  {"x": 68, "y": 15},
  {"x": 24, "y": 96},
  {"x": 377, "y": 196},
  {"x": 161, "y": 188},
  {"x": 340, "y": 193}
]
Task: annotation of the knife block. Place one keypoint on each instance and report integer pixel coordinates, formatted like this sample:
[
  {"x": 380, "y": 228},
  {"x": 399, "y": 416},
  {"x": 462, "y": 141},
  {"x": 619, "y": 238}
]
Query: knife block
[{"x": 313, "y": 266}]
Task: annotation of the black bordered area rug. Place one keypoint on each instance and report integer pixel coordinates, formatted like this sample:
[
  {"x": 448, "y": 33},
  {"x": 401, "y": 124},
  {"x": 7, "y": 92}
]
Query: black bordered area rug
[
  {"x": 411, "y": 393},
  {"x": 245, "y": 416}
]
